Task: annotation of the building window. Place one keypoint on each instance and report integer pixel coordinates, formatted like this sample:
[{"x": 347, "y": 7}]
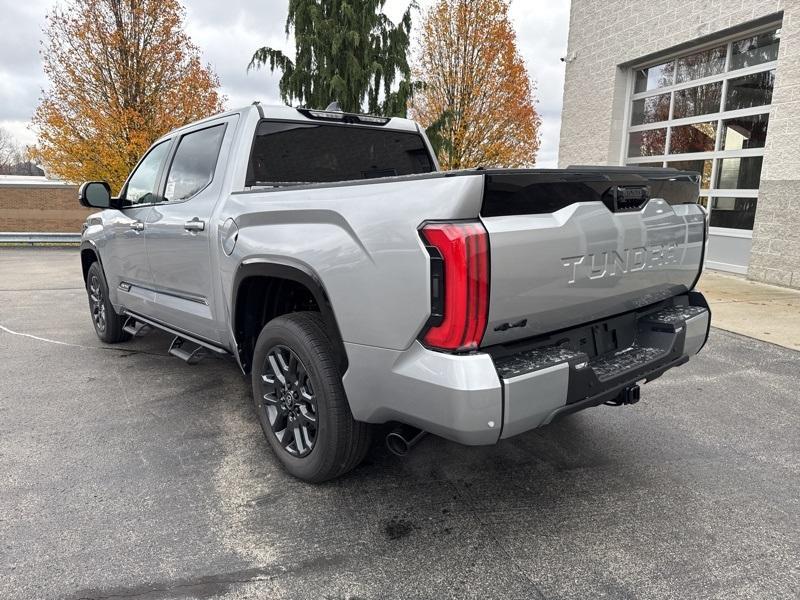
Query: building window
[{"x": 708, "y": 111}]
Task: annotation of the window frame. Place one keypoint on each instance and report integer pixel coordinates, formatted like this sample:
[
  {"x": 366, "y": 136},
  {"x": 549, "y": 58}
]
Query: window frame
[
  {"x": 174, "y": 153},
  {"x": 123, "y": 201},
  {"x": 249, "y": 182},
  {"x": 718, "y": 117}
]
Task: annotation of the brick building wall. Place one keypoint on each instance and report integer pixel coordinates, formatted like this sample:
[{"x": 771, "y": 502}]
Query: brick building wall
[
  {"x": 606, "y": 37},
  {"x": 40, "y": 207}
]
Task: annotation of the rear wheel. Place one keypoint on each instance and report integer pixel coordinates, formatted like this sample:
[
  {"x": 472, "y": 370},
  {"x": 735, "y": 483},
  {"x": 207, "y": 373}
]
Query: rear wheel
[
  {"x": 107, "y": 323},
  {"x": 300, "y": 400}
]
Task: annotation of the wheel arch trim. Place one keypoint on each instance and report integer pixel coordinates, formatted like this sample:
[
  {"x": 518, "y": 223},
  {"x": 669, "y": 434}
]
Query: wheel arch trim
[
  {"x": 91, "y": 247},
  {"x": 299, "y": 273}
]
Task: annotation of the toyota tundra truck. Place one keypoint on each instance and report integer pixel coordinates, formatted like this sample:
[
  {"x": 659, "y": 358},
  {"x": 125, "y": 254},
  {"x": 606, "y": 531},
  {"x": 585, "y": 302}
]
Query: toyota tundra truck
[{"x": 357, "y": 285}]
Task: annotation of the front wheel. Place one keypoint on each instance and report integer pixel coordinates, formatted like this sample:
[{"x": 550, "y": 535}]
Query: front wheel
[
  {"x": 107, "y": 323},
  {"x": 300, "y": 400}
]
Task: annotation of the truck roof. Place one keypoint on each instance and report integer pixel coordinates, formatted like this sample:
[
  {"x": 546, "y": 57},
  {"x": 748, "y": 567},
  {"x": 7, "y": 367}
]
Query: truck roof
[{"x": 289, "y": 113}]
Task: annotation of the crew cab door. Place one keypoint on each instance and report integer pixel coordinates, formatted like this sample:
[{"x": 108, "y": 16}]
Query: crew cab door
[
  {"x": 180, "y": 233},
  {"x": 125, "y": 261}
]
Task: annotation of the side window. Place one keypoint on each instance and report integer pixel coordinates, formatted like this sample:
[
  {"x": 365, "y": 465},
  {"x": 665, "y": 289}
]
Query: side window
[
  {"x": 141, "y": 187},
  {"x": 195, "y": 160}
]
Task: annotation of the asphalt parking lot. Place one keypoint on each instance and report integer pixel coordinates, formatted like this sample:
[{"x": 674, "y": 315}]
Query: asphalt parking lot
[{"x": 127, "y": 473}]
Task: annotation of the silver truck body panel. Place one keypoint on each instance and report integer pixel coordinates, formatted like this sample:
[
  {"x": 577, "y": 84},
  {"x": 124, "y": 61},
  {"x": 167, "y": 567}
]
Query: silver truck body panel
[
  {"x": 529, "y": 399},
  {"x": 184, "y": 262},
  {"x": 696, "y": 333},
  {"x": 456, "y": 397},
  {"x": 124, "y": 255},
  {"x": 584, "y": 263}
]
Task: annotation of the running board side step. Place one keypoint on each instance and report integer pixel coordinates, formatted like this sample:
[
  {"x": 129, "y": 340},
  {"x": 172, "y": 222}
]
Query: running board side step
[
  {"x": 135, "y": 327},
  {"x": 184, "y": 346},
  {"x": 187, "y": 351}
]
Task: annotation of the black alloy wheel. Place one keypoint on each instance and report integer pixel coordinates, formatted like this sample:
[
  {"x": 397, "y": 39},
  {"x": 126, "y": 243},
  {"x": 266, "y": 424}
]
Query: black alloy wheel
[
  {"x": 300, "y": 400},
  {"x": 289, "y": 401},
  {"x": 97, "y": 304},
  {"x": 107, "y": 323}
]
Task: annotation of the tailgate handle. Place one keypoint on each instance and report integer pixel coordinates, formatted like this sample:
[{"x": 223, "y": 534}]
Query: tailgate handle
[{"x": 623, "y": 198}]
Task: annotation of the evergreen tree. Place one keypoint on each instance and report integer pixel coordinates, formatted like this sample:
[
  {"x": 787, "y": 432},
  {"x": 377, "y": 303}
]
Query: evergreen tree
[{"x": 345, "y": 50}]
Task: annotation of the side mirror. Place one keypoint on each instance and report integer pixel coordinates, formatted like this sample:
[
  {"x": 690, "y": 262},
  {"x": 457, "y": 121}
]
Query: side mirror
[{"x": 95, "y": 194}]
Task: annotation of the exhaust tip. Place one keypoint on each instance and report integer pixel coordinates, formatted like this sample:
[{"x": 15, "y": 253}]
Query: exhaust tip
[
  {"x": 402, "y": 438},
  {"x": 397, "y": 444}
]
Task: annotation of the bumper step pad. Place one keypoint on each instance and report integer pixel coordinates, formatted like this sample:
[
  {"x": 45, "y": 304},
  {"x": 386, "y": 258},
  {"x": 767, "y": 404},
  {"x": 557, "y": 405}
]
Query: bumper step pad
[
  {"x": 675, "y": 316},
  {"x": 656, "y": 340},
  {"x": 611, "y": 365},
  {"x": 554, "y": 375},
  {"x": 535, "y": 360}
]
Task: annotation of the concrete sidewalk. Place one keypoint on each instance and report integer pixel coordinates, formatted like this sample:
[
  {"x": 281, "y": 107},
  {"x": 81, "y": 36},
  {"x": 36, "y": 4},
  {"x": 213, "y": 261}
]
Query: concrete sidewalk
[{"x": 761, "y": 311}]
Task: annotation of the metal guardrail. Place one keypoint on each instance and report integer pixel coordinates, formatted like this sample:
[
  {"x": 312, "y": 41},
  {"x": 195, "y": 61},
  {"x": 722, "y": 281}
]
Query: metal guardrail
[{"x": 13, "y": 237}]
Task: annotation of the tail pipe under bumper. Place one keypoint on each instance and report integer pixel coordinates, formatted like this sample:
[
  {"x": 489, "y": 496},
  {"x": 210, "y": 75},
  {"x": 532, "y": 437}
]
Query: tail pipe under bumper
[{"x": 403, "y": 438}]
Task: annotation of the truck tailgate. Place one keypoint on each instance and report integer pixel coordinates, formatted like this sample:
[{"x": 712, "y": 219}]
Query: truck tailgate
[{"x": 580, "y": 245}]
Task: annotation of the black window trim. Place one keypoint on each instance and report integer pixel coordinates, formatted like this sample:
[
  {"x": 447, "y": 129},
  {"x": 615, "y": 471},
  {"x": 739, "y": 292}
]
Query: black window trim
[
  {"x": 162, "y": 186},
  {"x": 249, "y": 182},
  {"x": 126, "y": 204}
]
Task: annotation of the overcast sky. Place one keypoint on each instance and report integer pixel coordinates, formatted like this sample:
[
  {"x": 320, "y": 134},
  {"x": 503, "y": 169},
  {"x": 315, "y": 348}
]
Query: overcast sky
[{"x": 228, "y": 32}]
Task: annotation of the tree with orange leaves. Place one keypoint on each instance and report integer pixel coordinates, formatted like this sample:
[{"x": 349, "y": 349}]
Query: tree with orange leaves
[
  {"x": 122, "y": 73},
  {"x": 475, "y": 97}
]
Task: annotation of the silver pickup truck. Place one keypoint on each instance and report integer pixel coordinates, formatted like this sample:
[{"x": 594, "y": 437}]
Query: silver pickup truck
[{"x": 358, "y": 285}]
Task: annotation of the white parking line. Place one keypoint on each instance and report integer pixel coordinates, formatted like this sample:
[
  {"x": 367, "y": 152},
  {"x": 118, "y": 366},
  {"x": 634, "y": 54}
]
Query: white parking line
[
  {"x": 59, "y": 343},
  {"x": 41, "y": 339}
]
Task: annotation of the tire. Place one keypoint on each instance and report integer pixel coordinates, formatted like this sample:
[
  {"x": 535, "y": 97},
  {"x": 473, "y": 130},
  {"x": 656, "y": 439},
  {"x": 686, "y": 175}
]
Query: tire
[
  {"x": 306, "y": 417},
  {"x": 107, "y": 323}
]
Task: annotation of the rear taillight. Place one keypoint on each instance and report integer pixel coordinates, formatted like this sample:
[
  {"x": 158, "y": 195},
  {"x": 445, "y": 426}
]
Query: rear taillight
[{"x": 459, "y": 284}]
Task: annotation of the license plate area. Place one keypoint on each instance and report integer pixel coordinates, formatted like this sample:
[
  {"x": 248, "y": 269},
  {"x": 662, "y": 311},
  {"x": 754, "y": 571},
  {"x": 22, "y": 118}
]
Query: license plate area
[
  {"x": 597, "y": 339},
  {"x": 605, "y": 338}
]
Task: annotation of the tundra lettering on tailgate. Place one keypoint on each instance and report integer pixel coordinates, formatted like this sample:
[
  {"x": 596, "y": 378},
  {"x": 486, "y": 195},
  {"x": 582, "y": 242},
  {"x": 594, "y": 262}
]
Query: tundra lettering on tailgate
[{"x": 610, "y": 263}]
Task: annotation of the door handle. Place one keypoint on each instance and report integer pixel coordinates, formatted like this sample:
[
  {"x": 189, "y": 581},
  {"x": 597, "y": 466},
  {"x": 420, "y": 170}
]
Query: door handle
[
  {"x": 194, "y": 225},
  {"x": 137, "y": 226}
]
